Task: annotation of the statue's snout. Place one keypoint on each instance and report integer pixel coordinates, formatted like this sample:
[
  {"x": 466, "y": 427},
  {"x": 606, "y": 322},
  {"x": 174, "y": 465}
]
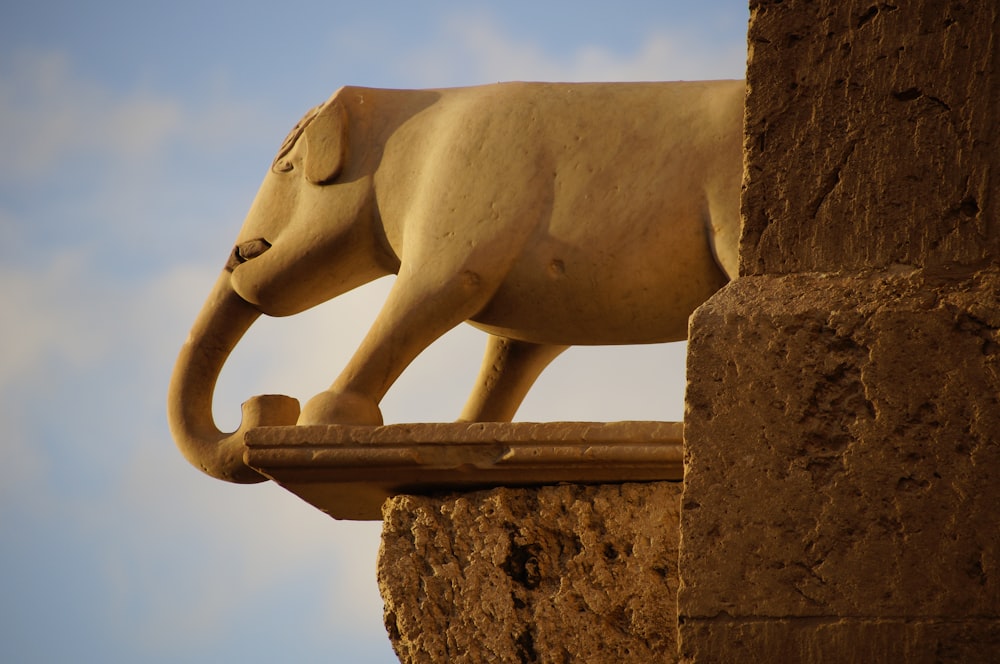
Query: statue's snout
[{"x": 245, "y": 251}]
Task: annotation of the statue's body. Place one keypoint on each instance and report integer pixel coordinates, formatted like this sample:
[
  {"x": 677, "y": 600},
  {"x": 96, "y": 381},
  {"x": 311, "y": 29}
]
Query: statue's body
[{"x": 547, "y": 215}]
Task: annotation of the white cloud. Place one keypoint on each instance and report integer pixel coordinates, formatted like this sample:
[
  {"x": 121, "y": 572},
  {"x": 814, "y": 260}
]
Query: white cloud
[
  {"x": 183, "y": 555},
  {"x": 473, "y": 49},
  {"x": 203, "y": 552},
  {"x": 40, "y": 322},
  {"x": 50, "y": 114}
]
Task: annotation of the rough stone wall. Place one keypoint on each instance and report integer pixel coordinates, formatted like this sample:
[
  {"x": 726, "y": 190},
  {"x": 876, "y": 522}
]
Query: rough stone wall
[
  {"x": 852, "y": 481},
  {"x": 843, "y": 426},
  {"x": 566, "y": 573},
  {"x": 871, "y": 129}
]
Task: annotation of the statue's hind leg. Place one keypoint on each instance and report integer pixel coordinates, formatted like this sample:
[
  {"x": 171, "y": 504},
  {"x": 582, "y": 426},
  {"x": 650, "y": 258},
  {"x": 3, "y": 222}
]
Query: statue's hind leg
[{"x": 509, "y": 369}]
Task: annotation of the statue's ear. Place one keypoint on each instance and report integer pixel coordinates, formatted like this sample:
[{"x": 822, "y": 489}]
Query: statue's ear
[{"x": 326, "y": 143}]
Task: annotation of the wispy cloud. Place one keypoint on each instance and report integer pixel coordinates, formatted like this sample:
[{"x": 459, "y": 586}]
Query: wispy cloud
[
  {"x": 51, "y": 114},
  {"x": 172, "y": 552},
  {"x": 198, "y": 576},
  {"x": 161, "y": 550},
  {"x": 474, "y": 49}
]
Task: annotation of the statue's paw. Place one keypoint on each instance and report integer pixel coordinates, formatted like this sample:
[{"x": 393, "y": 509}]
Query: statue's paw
[{"x": 340, "y": 408}]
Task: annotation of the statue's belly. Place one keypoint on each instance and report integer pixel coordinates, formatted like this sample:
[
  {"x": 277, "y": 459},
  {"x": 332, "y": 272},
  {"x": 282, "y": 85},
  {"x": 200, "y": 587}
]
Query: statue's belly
[{"x": 606, "y": 294}]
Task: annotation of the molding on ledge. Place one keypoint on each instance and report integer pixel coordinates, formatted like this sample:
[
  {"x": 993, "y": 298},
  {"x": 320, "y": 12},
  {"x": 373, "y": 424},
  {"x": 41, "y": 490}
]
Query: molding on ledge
[{"x": 349, "y": 471}]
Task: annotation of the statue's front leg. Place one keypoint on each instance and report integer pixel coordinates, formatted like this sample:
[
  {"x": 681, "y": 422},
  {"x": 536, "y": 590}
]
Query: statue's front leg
[{"x": 418, "y": 311}]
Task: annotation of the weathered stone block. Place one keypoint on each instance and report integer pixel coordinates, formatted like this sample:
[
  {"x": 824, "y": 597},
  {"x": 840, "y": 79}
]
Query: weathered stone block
[
  {"x": 566, "y": 573},
  {"x": 843, "y": 452}
]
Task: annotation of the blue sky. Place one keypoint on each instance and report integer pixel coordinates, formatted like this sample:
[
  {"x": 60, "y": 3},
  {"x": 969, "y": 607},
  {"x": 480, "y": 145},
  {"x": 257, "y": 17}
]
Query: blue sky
[{"x": 134, "y": 136}]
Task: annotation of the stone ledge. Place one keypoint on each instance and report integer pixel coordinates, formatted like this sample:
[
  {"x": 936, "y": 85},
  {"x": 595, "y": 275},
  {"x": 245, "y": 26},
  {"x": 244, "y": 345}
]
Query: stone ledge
[{"x": 349, "y": 471}]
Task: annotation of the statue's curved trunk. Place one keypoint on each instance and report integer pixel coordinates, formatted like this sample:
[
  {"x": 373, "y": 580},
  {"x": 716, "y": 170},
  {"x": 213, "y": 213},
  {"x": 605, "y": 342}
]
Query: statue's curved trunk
[{"x": 222, "y": 322}]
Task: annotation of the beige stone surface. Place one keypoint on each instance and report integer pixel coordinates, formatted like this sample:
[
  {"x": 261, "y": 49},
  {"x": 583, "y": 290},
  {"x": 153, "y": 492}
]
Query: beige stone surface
[
  {"x": 545, "y": 214},
  {"x": 557, "y": 574}
]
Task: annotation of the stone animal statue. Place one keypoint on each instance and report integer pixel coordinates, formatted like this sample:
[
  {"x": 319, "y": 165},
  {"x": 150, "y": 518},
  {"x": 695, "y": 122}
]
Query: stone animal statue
[{"x": 547, "y": 215}]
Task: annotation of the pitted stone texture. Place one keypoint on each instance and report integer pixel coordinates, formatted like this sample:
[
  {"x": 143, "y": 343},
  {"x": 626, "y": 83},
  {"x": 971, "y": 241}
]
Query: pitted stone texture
[
  {"x": 866, "y": 407},
  {"x": 871, "y": 135},
  {"x": 565, "y": 573},
  {"x": 836, "y": 641}
]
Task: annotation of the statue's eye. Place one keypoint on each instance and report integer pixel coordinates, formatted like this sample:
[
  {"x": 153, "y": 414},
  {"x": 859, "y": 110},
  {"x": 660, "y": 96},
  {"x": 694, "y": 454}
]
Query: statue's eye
[{"x": 282, "y": 166}]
